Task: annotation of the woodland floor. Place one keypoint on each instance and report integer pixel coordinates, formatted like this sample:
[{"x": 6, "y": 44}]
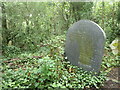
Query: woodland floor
[{"x": 113, "y": 81}]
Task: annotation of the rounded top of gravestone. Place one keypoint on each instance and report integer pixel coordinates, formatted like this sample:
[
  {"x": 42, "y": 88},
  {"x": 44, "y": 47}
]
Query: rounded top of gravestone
[
  {"x": 88, "y": 24},
  {"x": 85, "y": 44}
]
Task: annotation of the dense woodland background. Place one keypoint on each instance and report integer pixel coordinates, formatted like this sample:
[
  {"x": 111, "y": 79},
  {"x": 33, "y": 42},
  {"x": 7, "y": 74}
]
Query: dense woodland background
[
  {"x": 35, "y": 32},
  {"x": 27, "y": 24}
]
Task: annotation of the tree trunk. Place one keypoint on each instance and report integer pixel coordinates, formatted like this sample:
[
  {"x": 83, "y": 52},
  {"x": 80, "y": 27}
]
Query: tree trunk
[
  {"x": 4, "y": 26},
  {"x": 103, "y": 8}
]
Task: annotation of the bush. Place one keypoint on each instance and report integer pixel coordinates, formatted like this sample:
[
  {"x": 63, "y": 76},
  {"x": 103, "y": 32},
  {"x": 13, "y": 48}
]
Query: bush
[{"x": 11, "y": 50}]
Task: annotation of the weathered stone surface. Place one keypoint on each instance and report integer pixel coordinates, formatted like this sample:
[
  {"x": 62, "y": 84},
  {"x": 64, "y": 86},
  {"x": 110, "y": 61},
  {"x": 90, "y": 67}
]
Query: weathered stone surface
[{"x": 85, "y": 44}]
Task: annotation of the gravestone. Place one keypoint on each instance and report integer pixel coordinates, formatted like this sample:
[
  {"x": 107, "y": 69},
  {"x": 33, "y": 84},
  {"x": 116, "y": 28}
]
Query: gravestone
[{"x": 85, "y": 45}]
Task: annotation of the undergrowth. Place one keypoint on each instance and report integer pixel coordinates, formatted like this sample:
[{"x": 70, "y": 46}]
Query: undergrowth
[{"x": 47, "y": 68}]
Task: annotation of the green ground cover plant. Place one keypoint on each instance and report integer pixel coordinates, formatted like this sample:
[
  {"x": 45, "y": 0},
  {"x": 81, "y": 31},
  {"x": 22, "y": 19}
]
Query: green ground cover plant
[
  {"x": 33, "y": 40},
  {"x": 44, "y": 69}
]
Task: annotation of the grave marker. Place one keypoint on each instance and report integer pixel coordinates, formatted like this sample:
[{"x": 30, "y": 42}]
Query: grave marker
[{"x": 85, "y": 44}]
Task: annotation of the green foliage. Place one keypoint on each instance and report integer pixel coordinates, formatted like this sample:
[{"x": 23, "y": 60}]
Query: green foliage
[
  {"x": 48, "y": 74},
  {"x": 110, "y": 60},
  {"x": 34, "y": 59},
  {"x": 80, "y": 11},
  {"x": 118, "y": 16},
  {"x": 27, "y": 26},
  {"x": 106, "y": 15},
  {"x": 28, "y": 70},
  {"x": 11, "y": 50}
]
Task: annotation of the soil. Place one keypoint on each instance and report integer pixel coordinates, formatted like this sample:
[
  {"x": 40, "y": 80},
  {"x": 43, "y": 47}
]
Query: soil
[{"x": 113, "y": 79}]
